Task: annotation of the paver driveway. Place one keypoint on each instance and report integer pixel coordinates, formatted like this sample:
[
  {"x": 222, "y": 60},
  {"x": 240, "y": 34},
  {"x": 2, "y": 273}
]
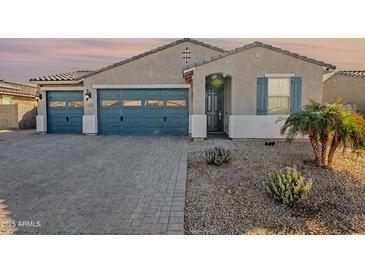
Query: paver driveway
[{"x": 76, "y": 184}]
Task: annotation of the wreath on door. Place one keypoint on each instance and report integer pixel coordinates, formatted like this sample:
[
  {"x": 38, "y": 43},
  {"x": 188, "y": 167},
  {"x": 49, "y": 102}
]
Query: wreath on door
[{"x": 216, "y": 82}]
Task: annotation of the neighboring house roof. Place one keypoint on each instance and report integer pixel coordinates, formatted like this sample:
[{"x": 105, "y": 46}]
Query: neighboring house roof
[
  {"x": 267, "y": 46},
  {"x": 10, "y": 88},
  {"x": 67, "y": 76},
  {"x": 154, "y": 51},
  {"x": 352, "y": 73},
  {"x": 348, "y": 73}
]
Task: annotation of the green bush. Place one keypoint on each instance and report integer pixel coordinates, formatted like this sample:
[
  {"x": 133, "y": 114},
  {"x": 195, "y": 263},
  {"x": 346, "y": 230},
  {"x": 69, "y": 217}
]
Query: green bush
[
  {"x": 288, "y": 186},
  {"x": 217, "y": 155}
]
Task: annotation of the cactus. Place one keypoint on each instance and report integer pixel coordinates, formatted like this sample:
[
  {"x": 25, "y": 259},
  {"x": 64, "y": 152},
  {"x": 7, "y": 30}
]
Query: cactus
[
  {"x": 288, "y": 186},
  {"x": 217, "y": 155}
]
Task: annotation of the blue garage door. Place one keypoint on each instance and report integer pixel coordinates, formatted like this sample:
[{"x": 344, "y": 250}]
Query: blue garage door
[
  {"x": 64, "y": 111},
  {"x": 143, "y": 112}
]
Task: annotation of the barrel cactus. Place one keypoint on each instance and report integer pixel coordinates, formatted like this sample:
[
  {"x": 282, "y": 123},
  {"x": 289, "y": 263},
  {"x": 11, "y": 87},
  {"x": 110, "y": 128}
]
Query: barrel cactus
[{"x": 287, "y": 186}]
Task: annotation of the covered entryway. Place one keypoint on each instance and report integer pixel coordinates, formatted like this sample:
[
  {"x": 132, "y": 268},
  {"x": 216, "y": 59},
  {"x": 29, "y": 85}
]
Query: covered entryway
[
  {"x": 143, "y": 111},
  {"x": 64, "y": 111},
  {"x": 216, "y": 89}
]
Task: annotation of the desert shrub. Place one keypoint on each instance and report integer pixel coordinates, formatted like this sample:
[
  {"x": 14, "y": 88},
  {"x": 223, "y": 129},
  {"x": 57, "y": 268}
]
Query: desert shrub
[
  {"x": 288, "y": 186},
  {"x": 217, "y": 155}
]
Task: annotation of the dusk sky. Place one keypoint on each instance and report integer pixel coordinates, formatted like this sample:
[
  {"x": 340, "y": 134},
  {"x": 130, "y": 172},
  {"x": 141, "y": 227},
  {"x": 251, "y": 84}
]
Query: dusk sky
[{"x": 22, "y": 59}]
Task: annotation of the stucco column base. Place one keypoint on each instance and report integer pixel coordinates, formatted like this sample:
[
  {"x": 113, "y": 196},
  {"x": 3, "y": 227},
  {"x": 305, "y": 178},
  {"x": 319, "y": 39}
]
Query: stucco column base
[
  {"x": 41, "y": 124},
  {"x": 199, "y": 126},
  {"x": 89, "y": 125}
]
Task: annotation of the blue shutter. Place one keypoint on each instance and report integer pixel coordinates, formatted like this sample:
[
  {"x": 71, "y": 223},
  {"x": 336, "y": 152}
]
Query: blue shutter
[
  {"x": 295, "y": 94},
  {"x": 261, "y": 98}
]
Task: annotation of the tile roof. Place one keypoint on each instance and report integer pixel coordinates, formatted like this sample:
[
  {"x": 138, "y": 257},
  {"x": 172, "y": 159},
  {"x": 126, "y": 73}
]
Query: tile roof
[
  {"x": 260, "y": 44},
  {"x": 10, "y": 88},
  {"x": 67, "y": 76},
  {"x": 154, "y": 51},
  {"x": 352, "y": 73}
]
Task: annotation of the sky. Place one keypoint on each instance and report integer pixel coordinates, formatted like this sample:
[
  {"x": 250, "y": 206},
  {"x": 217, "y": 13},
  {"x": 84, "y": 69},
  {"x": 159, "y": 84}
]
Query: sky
[{"x": 22, "y": 59}]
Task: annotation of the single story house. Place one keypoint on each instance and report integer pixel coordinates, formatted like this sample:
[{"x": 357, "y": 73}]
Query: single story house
[
  {"x": 346, "y": 85},
  {"x": 186, "y": 87},
  {"x": 17, "y": 105}
]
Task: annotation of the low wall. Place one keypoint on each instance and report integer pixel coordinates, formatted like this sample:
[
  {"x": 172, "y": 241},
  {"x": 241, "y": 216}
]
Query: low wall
[
  {"x": 252, "y": 126},
  {"x": 20, "y": 116},
  {"x": 8, "y": 116}
]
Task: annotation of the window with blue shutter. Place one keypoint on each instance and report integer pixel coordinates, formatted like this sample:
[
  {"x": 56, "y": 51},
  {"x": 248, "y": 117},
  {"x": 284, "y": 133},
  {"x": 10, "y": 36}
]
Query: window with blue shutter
[
  {"x": 261, "y": 97},
  {"x": 295, "y": 94}
]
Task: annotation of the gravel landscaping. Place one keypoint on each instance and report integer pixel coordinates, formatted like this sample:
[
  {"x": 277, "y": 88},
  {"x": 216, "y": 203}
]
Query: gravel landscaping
[{"x": 230, "y": 199}]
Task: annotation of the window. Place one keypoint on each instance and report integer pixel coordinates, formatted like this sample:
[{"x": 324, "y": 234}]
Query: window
[
  {"x": 57, "y": 104},
  {"x": 176, "y": 103},
  {"x": 6, "y": 100},
  {"x": 278, "y": 96},
  {"x": 110, "y": 103},
  {"x": 76, "y": 104},
  {"x": 132, "y": 103},
  {"x": 153, "y": 103}
]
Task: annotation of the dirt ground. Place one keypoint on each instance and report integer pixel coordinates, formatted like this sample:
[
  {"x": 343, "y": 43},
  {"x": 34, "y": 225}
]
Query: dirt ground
[{"x": 230, "y": 199}]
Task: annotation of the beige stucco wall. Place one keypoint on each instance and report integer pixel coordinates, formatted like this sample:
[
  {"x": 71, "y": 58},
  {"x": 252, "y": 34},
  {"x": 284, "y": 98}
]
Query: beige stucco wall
[
  {"x": 244, "y": 67},
  {"x": 351, "y": 90},
  {"x": 163, "y": 67}
]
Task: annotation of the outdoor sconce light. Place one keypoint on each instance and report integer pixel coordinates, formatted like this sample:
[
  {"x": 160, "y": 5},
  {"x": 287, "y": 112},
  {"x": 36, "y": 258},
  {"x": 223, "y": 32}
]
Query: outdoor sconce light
[
  {"x": 38, "y": 96},
  {"x": 87, "y": 95}
]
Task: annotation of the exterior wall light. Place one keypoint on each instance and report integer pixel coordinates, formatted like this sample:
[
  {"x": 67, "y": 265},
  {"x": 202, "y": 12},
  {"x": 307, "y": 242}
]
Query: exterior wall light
[
  {"x": 87, "y": 95},
  {"x": 38, "y": 96}
]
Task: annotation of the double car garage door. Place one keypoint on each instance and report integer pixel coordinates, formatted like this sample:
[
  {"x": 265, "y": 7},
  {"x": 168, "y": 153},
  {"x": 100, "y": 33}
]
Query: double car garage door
[
  {"x": 124, "y": 112},
  {"x": 143, "y": 112}
]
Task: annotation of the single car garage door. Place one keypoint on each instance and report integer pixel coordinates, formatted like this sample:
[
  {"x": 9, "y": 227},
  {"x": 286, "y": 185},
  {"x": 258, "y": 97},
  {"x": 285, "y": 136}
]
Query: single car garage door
[
  {"x": 64, "y": 111},
  {"x": 143, "y": 112}
]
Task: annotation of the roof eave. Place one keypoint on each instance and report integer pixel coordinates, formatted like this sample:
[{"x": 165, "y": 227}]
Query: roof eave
[
  {"x": 17, "y": 94},
  {"x": 56, "y": 82},
  {"x": 266, "y": 46}
]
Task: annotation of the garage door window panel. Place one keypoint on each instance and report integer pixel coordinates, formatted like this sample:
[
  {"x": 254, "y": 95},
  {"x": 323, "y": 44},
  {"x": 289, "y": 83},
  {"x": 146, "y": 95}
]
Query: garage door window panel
[
  {"x": 76, "y": 104},
  {"x": 176, "y": 103},
  {"x": 56, "y": 104},
  {"x": 110, "y": 103},
  {"x": 154, "y": 103},
  {"x": 132, "y": 103}
]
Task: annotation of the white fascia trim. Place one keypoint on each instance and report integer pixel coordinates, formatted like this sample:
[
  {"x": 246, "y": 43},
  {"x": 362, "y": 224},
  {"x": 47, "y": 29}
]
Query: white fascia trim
[
  {"x": 188, "y": 70},
  {"x": 141, "y": 86},
  {"x": 279, "y": 75},
  {"x": 62, "y": 88},
  {"x": 328, "y": 76},
  {"x": 56, "y": 82}
]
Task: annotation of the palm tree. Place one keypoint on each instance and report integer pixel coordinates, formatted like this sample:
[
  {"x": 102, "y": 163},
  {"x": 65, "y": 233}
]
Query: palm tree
[
  {"x": 328, "y": 119},
  {"x": 309, "y": 121},
  {"x": 348, "y": 130},
  {"x": 328, "y": 126}
]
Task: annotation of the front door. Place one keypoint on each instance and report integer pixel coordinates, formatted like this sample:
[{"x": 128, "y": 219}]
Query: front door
[{"x": 214, "y": 109}]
